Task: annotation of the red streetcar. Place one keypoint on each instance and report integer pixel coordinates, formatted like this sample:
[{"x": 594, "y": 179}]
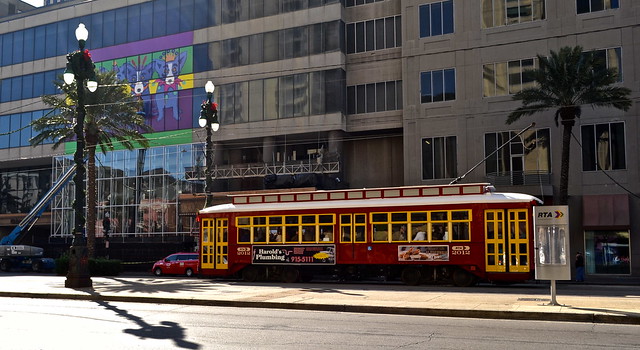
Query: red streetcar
[{"x": 420, "y": 234}]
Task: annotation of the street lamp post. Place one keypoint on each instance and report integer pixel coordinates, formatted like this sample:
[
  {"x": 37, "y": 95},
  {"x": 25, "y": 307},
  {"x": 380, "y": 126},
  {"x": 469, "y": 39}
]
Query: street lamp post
[
  {"x": 209, "y": 121},
  {"x": 81, "y": 68}
]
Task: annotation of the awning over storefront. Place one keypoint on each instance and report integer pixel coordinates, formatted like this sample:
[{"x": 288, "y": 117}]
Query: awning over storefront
[{"x": 606, "y": 211}]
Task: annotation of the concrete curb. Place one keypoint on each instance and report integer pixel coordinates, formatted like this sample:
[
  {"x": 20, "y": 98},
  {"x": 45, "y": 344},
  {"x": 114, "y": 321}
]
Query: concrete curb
[{"x": 483, "y": 314}]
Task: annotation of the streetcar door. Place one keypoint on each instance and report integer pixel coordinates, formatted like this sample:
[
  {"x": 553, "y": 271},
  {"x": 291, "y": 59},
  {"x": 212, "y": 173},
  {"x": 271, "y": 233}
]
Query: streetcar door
[
  {"x": 215, "y": 243},
  {"x": 519, "y": 240},
  {"x": 507, "y": 240},
  {"x": 222, "y": 245},
  {"x": 352, "y": 230},
  {"x": 207, "y": 245},
  {"x": 495, "y": 241}
]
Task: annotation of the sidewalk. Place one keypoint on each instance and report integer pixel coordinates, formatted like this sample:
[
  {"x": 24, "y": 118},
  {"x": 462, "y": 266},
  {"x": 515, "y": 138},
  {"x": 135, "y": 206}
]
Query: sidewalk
[{"x": 596, "y": 303}]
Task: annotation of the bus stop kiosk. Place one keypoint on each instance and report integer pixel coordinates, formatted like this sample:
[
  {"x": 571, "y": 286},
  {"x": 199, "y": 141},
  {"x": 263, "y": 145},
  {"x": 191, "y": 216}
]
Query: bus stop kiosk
[{"x": 551, "y": 239}]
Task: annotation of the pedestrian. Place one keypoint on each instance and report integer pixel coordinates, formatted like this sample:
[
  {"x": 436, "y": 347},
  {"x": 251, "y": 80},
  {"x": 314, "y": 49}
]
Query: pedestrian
[{"x": 579, "y": 267}]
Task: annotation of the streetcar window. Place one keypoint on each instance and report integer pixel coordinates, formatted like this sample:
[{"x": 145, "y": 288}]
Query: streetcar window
[
  {"x": 308, "y": 219},
  {"x": 345, "y": 237},
  {"x": 345, "y": 219},
  {"x": 326, "y": 219},
  {"x": 244, "y": 235},
  {"x": 309, "y": 233},
  {"x": 326, "y": 233},
  {"x": 439, "y": 232},
  {"x": 360, "y": 219},
  {"x": 259, "y": 235},
  {"x": 275, "y": 234},
  {"x": 395, "y": 217},
  {"x": 244, "y": 221},
  {"x": 399, "y": 232},
  {"x": 420, "y": 216},
  {"x": 419, "y": 232},
  {"x": 379, "y": 217},
  {"x": 275, "y": 220},
  {"x": 460, "y": 231},
  {"x": 259, "y": 220},
  {"x": 380, "y": 233}
]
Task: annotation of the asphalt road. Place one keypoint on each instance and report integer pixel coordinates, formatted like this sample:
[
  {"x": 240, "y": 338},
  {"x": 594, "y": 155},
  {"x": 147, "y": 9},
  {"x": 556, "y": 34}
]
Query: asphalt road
[{"x": 71, "y": 324}]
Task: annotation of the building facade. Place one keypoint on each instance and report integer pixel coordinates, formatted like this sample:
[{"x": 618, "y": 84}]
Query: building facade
[{"x": 327, "y": 94}]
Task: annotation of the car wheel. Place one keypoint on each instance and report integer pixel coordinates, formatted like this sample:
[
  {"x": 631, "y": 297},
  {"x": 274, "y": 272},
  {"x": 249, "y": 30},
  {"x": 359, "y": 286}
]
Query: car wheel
[
  {"x": 4, "y": 265},
  {"x": 36, "y": 266},
  {"x": 157, "y": 271},
  {"x": 189, "y": 272}
]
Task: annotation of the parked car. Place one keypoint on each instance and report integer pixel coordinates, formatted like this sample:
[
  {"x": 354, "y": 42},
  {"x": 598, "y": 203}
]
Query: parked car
[{"x": 177, "y": 264}]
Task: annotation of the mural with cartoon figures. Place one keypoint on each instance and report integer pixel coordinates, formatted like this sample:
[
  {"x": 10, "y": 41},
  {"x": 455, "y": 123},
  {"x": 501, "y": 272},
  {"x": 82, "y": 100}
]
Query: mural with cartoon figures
[{"x": 163, "y": 81}]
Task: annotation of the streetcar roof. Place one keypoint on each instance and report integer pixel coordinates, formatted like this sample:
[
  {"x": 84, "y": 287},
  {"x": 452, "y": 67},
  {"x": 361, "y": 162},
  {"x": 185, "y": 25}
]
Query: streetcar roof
[{"x": 490, "y": 197}]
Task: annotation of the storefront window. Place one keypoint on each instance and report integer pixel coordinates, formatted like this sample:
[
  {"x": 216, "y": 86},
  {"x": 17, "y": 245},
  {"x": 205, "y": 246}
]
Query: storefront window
[{"x": 607, "y": 252}]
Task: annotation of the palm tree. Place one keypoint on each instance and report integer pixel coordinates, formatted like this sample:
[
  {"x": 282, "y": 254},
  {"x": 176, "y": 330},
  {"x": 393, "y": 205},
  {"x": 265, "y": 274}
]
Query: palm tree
[
  {"x": 112, "y": 120},
  {"x": 565, "y": 81}
]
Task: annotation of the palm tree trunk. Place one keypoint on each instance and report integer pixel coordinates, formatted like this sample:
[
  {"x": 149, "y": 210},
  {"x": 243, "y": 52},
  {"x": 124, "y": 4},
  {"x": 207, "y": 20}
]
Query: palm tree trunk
[
  {"x": 91, "y": 200},
  {"x": 563, "y": 195}
]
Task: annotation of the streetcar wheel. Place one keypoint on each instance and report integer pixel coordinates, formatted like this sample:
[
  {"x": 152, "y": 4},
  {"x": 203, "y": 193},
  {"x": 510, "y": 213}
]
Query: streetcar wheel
[
  {"x": 188, "y": 272},
  {"x": 157, "y": 271},
  {"x": 250, "y": 274},
  {"x": 290, "y": 275},
  {"x": 462, "y": 278},
  {"x": 411, "y": 276}
]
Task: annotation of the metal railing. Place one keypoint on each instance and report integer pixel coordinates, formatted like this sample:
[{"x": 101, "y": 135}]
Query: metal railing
[
  {"x": 517, "y": 178},
  {"x": 263, "y": 169}
]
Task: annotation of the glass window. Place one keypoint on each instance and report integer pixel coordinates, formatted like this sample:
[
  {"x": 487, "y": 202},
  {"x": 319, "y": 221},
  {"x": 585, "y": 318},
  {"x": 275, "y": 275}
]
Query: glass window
[
  {"x": 159, "y": 17},
  {"x": 186, "y": 12},
  {"x": 18, "y": 41},
  {"x": 256, "y": 49},
  {"x": 133, "y": 23},
  {"x": 360, "y": 37},
  {"x": 146, "y": 11},
  {"x": 256, "y": 100},
  {"x": 316, "y": 92},
  {"x": 370, "y": 39},
  {"x": 436, "y": 18},
  {"x": 497, "y": 13},
  {"x": 390, "y": 36},
  {"x": 39, "y": 38},
  {"x": 271, "y": 46},
  {"x": 271, "y": 99},
  {"x": 27, "y": 86},
  {"x": 351, "y": 38},
  {"x": 121, "y": 27},
  {"x": 603, "y": 147},
  {"x": 439, "y": 158},
  {"x": 607, "y": 252},
  {"x": 108, "y": 28},
  {"x": 586, "y": 6}
]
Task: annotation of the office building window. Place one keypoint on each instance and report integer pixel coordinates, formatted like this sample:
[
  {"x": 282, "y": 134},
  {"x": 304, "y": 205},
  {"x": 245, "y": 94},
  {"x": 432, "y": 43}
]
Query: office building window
[
  {"x": 351, "y": 3},
  {"x": 519, "y": 159},
  {"x": 506, "y": 78},
  {"x": 374, "y": 97},
  {"x": 439, "y": 158},
  {"x": 610, "y": 58},
  {"x": 376, "y": 34},
  {"x": 436, "y": 19},
  {"x": 587, "y": 6},
  {"x": 496, "y": 13},
  {"x": 438, "y": 85},
  {"x": 603, "y": 147}
]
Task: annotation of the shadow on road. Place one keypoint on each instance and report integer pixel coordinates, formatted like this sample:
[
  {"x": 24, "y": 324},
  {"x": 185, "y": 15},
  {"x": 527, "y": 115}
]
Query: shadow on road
[{"x": 166, "y": 329}]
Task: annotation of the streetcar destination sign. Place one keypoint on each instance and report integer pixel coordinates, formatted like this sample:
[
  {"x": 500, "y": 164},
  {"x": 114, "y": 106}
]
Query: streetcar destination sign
[{"x": 294, "y": 254}]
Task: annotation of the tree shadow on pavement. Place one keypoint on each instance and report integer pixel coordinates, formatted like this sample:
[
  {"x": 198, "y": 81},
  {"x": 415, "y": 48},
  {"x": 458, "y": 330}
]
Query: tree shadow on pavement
[
  {"x": 166, "y": 330},
  {"x": 149, "y": 286}
]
